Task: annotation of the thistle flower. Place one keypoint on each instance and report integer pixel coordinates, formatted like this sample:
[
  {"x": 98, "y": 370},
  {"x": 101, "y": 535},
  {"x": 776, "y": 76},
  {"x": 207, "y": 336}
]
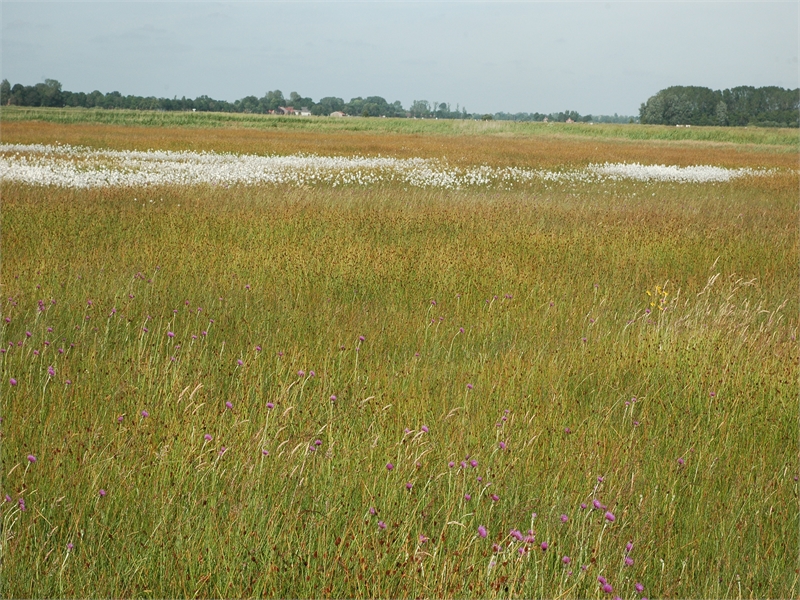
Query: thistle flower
[
  {"x": 482, "y": 531},
  {"x": 31, "y": 458},
  {"x": 610, "y": 516},
  {"x": 389, "y": 466}
]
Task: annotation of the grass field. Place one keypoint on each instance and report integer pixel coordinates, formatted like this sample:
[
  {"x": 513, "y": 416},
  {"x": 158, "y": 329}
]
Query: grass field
[{"x": 395, "y": 391}]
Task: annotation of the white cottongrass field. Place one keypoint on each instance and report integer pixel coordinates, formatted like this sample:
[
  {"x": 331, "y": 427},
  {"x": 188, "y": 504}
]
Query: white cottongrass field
[{"x": 79, "y": 167}]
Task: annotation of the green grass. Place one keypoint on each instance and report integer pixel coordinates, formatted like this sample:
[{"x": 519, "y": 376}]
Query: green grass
[
  {"x": 550, "y": 287},
  {"x": 787, "y": 139}
]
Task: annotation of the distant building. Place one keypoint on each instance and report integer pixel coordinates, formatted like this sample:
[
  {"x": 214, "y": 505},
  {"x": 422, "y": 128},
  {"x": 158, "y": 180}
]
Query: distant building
[
  {"x": 570, "y": 121},
  {"x": 338, "y": 113},
  {"x": 304, "y": 112}
]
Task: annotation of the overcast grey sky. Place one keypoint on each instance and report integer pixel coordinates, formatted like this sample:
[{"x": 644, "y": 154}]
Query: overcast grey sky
[{"x": 593, "y": 57}]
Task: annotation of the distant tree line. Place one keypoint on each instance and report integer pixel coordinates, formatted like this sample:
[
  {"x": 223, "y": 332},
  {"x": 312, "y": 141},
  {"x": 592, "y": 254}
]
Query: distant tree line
[
  {"x": 739, "y": 106},
  {"x": 50, "y": 93}
]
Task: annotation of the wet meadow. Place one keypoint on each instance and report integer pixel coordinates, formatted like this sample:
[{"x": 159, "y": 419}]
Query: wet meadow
[{"x": 568, "y": 382}]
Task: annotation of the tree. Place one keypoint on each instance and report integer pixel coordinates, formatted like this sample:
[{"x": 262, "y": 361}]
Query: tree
[{"x": 5, "y": 92}]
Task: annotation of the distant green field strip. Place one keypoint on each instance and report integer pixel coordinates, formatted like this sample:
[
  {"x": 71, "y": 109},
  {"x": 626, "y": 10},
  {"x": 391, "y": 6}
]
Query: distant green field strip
[{"x": 787, "y": 138}]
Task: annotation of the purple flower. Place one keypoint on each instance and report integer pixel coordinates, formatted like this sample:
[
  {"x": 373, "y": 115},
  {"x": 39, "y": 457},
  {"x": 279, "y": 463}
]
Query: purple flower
[
  {"x": 425, "y": 428},
  {"x": 301, "y": 373},
  {"x": 469, "y": 386},
  {"x": 482, "y": 531},
  {"x": 361, "y": 338},
  {"x": 229, "y": 405},
  {"x": 564, "y": 518},
  {"x": 120, "y": 419},
  {"x": 451, "y": 464},
  {"x": 583, "y": 505},
  {"x": 597, "y": 504},
  {"x": 610, "y": 516},
  {"x": 28, "y": 334},
  {"x": 516, "y": 534},
  {"x": 381, "y": 525},
  {"x": 628, "y": 561},
  {"x": 145, "y": 414},
  {"x": 270, "y": 405},
  {"x": 333, "y": 398},
  {"x": 502, "y": 445},
  {"x": 258, "y": 348},
  {"x": 51, "y": 371},
  {"x": 422, "y": 539},
  {"x": 239, "y": 362},
  {"x": 409, "y": 485},
  {"x": 495, "y": 497},
  {"x": 628, "y": 546},
  {"x": 467, "y": 497},
  {"x": 265, "y": 452},
  {"x": 318, "y": 442},
  {"x": 602, "y": 580},
  {"x": 208, "y": 437},
  {"x": 12, "y": 381},
  {"x": 639, "y": 587},
  {"x": 70, "y": 546},
  {"x": 544, "y": 546},
  {"x": 607, "y": 588},
  {"x": 473, "y": 463},
  {"x": 389, "y": 466},
  {"x": 170, "y": 334},
  {"x": 566, "y": 560},
  {"x": 222, "y": 450},
  {"x": 680, "y": 461},
  {"x": 372, "y": 510},
  {"x": 31, "y": 458},
  {"x": 102, "y": 492}
]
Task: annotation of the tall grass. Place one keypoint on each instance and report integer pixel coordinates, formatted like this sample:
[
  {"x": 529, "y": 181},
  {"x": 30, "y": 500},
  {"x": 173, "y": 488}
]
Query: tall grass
[{"x": 633, "y": 344}]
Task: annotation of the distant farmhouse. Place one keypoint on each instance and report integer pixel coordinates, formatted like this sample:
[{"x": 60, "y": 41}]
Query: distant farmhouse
[
  {"x": 338, "y": 113},
  {"x": 289, "y": 110}
]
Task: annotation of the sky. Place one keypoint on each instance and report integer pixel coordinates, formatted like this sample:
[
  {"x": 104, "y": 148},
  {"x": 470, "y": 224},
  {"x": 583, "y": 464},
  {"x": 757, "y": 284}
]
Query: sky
[{"x": 592, "y": 57}]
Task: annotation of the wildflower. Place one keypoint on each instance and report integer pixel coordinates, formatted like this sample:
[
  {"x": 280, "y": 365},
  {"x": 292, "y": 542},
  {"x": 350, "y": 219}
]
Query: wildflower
[
  {"x": 495, "y": 497},
  {"x": 469, "y": 386},
  {"x": 502, "y": 445},
  {"x": 102, "y": 492},
  {"x": 460, "y": 330},
  {"x": 222, "y": 450},
  {"x": 680, "y": 461},
  {"x": 628, "y": 546},
  {"x": 333, "y": 398},
  {"x": 265, "y": 452},
  {"x": 422, "y": 539},
  {"x": 522, "y": 549},
  {"x": 381, "y": 525},
  {"x": 467, "y": 497},
  {"x": 301, "y": 373},
  {"x": 229, "y": 405},
  {"x": 473, "y": 463},
  {"x": 601, "y": 580},
  {"x": 171, "y": 334},
  {"x": 120, "y": 419},
  {"x": 389, "y": 466},
  {"x": 318, "y": 442},
  {"x": 597, "y": 504},
  {"x": 12, "y": 381},
  {"x": 564, "y": 518},
  {"x": 270, "y": 406},
  {"x": 496, "y": 548},
  {"x": 607, "y": 588},
  {"x": 610, "y": 516},
  {"x": 566, "y": 560},
  {"x": 482, "y": 531},
  {"x": 639, "y": 587},
  {"x": 258, "y": 348},
  {"x": 628, "y": 561},
  {"x": 583, "y": 505},
  {"x": 372, "y": 510},
  {"x": 31, "y": 458},
  {"x": 361, "y": 338},
  {"x": 516, "y": 534},
  {"x": 239, "y": 362},
  {"x": 451, "y": 464},
  {"x": 145, "y": 414},
  {"x": 544, "y": 546},
  {"x": 70, "y": 546},
  {"x": 409, "y": 485},
  {"x": 208, "y": 437},
  {"x": 425, "y": 428}
]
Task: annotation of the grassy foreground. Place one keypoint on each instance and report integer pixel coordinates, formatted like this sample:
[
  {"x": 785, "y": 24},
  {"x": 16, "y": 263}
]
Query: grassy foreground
[{"x": 379, "y": 392}]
